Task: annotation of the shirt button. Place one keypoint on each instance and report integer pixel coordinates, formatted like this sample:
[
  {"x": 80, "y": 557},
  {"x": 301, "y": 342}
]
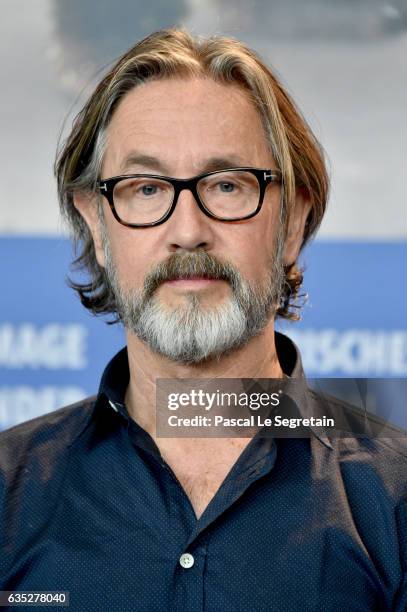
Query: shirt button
[{"x": 186, "y": 560}]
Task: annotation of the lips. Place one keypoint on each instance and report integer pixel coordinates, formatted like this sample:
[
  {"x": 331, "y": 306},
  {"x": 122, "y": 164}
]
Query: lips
[{"x": 188, "y": 271}]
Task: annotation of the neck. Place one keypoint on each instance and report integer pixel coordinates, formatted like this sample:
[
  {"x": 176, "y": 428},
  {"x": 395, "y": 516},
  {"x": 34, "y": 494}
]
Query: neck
[{"x": 257, "y": 359}]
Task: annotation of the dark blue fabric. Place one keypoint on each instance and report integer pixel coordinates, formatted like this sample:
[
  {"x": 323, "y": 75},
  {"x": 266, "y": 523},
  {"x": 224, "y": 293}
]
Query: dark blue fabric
[{"x": 89, "y": 506}]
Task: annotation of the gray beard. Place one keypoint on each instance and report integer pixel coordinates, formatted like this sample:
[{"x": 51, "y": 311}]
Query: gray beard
[{"x": 192, "y": 333}]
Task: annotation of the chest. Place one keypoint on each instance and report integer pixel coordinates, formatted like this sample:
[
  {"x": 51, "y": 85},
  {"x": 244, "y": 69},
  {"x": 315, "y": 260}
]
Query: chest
[
  {"x": 201, "y": 468},
  {"x": 278, "y": 550}
]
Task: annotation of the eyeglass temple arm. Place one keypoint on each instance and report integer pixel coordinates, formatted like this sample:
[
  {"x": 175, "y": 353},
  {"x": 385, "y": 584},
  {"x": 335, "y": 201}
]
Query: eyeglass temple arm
[{"x": 274, "y": 176}]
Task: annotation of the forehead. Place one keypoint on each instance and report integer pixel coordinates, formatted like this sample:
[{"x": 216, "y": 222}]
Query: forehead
[{"x": 183, "y": 121}]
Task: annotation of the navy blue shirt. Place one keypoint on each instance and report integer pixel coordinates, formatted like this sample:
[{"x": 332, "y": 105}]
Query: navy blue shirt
[{"x": 88, "y": 505}]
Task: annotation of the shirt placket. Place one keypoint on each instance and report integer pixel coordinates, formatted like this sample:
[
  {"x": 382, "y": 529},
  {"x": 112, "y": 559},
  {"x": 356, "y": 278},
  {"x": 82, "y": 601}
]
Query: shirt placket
[
  {"x": 189, "y": 575},
  {"x": 189, "y": 537}
]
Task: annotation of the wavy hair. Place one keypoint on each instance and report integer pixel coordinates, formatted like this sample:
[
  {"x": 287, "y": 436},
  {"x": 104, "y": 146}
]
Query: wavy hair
[{"x": 176, "y": 53}]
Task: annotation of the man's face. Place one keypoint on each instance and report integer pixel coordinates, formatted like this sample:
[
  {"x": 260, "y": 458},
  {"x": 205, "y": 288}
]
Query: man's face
[{"x": 182, "y": 128}]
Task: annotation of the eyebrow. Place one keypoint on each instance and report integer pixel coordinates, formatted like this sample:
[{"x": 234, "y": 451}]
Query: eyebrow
[{"x": 154, "y": 163}]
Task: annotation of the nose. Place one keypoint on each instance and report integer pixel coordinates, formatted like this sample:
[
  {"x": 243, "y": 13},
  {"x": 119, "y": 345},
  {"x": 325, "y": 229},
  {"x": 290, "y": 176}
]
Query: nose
[{"x": 189, "y": 228}]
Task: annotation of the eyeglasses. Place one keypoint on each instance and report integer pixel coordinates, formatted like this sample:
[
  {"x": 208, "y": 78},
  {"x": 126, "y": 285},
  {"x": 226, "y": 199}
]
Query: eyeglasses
[{"x": 145, "y": 200}]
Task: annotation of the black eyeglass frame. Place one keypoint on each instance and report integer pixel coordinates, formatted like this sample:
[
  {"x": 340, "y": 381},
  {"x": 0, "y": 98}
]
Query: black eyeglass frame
[{"x": 264, "y": 177}]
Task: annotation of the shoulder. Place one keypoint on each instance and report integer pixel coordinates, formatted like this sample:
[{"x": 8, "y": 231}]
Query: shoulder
[
  {"x": 374, "y": 468},
  {"x": 49, "y": 435},
  {"x": 34, "y": 457},
  {"x": 387, "y": 455},
  {"x": 354, "y": 426},
  {"x": 370, "y": 452}
]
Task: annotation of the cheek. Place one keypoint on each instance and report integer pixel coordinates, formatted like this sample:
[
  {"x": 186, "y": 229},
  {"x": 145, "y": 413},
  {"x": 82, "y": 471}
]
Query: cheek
[
  {"x": 250, "y": 250},
  {"x": 130, "y": 269},
  {"x": 129, "y": 260},
  {"x": 268, "y": 229}
]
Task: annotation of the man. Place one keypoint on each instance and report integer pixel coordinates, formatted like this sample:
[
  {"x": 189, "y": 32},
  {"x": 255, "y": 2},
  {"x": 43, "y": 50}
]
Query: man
[{"x": 192, "y": 183}]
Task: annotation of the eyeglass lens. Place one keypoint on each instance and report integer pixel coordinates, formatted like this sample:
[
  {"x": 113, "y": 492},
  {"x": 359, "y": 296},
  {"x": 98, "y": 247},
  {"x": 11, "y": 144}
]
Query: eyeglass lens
[{"x": 231, "y": 194}]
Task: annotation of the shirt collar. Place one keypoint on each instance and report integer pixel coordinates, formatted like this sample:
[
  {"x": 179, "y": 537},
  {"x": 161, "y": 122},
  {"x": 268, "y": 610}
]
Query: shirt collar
[
  {"x": 290, "y": 360},
  {"x": 116, "y": 376}
]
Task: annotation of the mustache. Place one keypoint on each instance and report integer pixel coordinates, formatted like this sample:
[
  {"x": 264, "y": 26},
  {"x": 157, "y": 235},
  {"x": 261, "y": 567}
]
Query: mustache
[{"x": 188, "y": 265}]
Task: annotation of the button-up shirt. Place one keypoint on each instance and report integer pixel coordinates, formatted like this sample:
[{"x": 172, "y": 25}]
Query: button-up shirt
[{"x": 89, "y": 506}]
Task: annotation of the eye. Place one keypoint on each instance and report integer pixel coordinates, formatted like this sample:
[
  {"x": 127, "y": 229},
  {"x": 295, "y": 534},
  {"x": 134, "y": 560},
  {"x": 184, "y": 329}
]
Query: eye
[
  {"x": 148, "y": 190},
  {"x": 227, "y": 187}
]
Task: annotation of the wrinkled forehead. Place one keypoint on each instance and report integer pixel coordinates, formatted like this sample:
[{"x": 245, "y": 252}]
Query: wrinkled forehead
[{"x": 183, "y": 122}]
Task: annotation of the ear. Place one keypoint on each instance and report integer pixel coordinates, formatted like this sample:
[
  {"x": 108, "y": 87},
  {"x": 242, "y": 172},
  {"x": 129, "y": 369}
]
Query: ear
[
  {"x": 296, "y": 225},
  {"x": 86, "y": 205}
]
